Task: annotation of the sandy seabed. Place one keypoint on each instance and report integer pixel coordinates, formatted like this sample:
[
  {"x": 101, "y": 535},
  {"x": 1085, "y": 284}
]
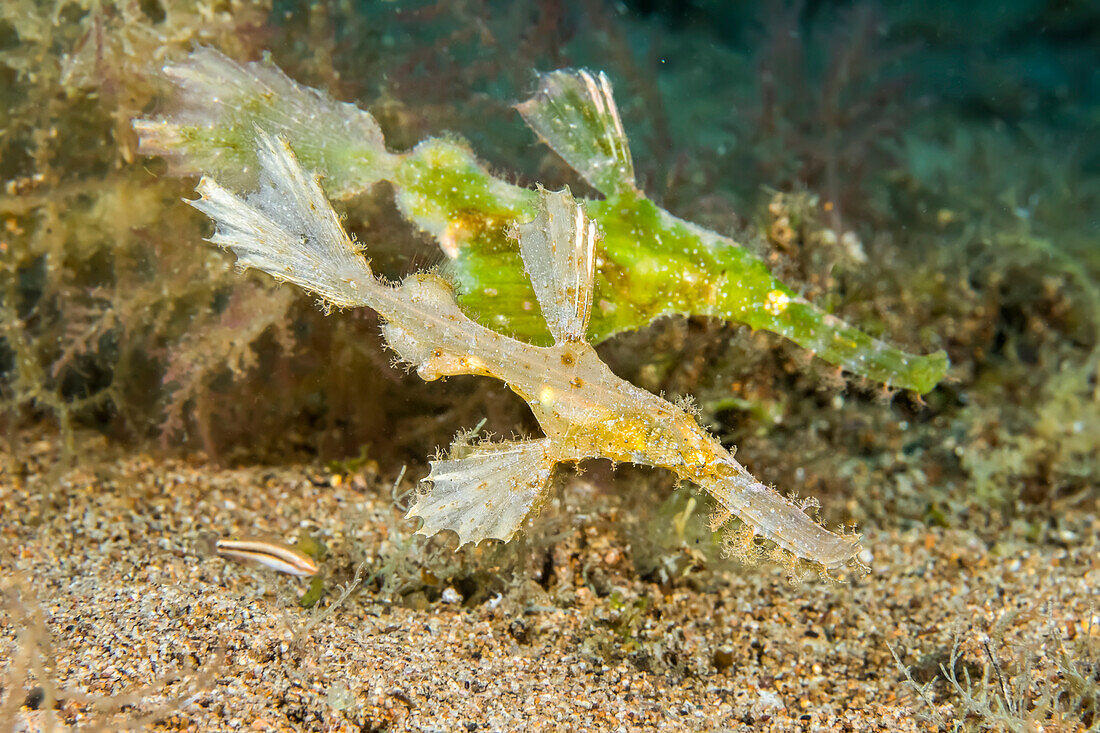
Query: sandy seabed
[{"x": 118, "y": 616}]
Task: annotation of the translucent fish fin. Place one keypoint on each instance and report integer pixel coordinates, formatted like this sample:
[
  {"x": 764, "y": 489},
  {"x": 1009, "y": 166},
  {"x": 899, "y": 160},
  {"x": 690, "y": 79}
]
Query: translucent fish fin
[
  {"x": 768, "y": 515},
  {"x": 218, "y": 103},
  {"x": 288, "y": 228},
  {"x": 486, "y": 494},
  {"x": 559, "y": 252},
  {"x": 574, "y": 113}
]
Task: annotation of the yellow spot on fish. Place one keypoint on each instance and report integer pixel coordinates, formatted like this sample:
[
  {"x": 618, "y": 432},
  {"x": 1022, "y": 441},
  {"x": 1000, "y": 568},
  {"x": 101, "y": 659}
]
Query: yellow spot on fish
[
  {"x": 546, "y": 395},
  {"x": 448, "y": 242},
  {"x": 776, "y": 302},
  {"x": 631, "y": 434},
  {"x": 694, "y": 457}
]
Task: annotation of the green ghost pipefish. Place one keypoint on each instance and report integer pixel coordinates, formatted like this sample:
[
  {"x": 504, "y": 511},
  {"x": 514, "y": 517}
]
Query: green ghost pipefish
[{"x": 648, "y": 263}]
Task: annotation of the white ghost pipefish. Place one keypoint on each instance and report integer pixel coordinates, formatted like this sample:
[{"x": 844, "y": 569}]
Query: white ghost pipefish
[{"x": 288, "y": 229}]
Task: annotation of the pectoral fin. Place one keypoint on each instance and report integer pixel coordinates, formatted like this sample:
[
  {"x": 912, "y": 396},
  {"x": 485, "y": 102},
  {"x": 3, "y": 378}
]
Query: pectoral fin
[
  {"x": 288, "y": 228},
  {"x": 486, "y": 494}
]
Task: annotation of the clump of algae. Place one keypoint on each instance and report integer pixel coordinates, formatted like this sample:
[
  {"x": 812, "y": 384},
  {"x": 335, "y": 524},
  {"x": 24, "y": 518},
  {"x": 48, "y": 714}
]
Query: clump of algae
[{"x": 92, "y": 288}]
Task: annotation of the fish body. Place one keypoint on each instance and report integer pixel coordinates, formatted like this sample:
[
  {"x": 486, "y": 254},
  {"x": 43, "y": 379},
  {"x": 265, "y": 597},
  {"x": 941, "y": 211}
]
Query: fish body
[{"x": 483, "y": 491}]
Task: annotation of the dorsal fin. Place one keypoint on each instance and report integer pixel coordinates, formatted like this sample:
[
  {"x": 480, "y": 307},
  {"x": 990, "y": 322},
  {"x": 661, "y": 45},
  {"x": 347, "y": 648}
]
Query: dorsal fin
[
  {"x": 288, "y": 228},
  {"x": 574, "y": 113},
  {"x": 559, "y": 251},
  {"x": 217, "y": 104}
]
